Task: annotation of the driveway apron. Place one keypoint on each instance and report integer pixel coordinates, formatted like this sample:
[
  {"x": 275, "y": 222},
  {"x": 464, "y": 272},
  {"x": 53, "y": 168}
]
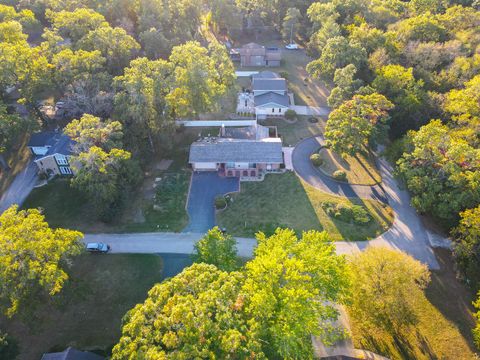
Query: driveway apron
[{"x": 204, "y": 187}]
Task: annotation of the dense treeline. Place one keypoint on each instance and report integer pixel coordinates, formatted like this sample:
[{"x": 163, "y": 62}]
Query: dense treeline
[{"x": 424, "y": 58}]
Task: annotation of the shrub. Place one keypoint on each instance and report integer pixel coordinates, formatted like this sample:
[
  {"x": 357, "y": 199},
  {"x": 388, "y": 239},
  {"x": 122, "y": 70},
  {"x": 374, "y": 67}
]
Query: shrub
[
  {"x": 220, "y": 202},
  {"x": 316, "y": 159},
  {"x": 290, "y": 114},
  {"x": 283, "y": 74},
  {"x": 360, "y": 215},
  {"x": 340, "y": 175},
  {"x": 347, "y": 213}
]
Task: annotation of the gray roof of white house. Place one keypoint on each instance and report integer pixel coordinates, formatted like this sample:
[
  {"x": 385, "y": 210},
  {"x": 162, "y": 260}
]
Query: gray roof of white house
[
  {"x": 271, "y": 97},
  {"x": 57, "y": 142},
  {"x": 234, "y": 150},
  {"x": 266, "y": 74},
  {"x": 262, "y": 84}
]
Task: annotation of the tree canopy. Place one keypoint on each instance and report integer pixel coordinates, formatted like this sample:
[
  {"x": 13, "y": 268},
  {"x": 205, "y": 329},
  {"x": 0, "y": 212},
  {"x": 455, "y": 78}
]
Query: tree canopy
[
  {"x": 217, "y": 249},
  {"x": 32, "y": 256},
  {"x": 356, "y": 122},
  {"x": 386, "y": 285}
]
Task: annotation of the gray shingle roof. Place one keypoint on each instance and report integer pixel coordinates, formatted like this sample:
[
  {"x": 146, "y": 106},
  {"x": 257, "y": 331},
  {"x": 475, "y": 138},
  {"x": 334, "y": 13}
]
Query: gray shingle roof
[
  {"x": 233, "y": 150},
  {"x": 265, "y": 75},
  {"x": 271, "y": 97},
  {"x": 261, "y": 84},
  {"x": 72, "y": 354},
  {"x": 57, "y": 142}
]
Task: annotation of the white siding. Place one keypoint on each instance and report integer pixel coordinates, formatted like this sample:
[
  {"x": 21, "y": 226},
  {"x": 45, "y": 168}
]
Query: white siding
[{"x": 202, "y": 166}]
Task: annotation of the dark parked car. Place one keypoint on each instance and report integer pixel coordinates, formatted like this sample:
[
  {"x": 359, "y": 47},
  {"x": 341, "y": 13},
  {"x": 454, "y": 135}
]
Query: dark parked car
[{"x": 97, "y": 248}]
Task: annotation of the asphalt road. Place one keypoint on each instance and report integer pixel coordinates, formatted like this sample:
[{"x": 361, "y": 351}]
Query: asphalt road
[
  {"x": 20, "y": 188},
  {"x": 407, "y": 233}
]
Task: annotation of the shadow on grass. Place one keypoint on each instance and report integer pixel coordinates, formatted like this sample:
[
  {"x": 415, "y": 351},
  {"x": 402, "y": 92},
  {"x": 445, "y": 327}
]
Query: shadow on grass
[{"x": 450, "y": 297}]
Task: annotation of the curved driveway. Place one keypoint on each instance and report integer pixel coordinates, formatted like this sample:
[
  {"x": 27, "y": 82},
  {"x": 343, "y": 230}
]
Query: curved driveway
[
  {"x": 407, "y": 232},
  {"x": 304, "y": 168}
]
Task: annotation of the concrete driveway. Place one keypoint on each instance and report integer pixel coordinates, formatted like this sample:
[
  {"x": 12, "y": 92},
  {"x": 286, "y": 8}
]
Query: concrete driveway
[
  {"x": 20, "y": 188},
  {"x": 204, "y": 187},
  {"x": 310, "y": 110}
]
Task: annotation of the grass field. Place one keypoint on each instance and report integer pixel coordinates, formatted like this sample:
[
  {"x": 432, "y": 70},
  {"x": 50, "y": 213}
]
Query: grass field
[
  {"x": 444, "y": 328},
  {"x": 360, "y": 169},
  {"x": 284, "y": 200},
  {"x": 87, "y": 313}
]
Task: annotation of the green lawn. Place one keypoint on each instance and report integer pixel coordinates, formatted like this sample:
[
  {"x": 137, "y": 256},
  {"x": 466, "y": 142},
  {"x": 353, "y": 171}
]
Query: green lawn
[
  {"x": 63, "y": 206},
  {"x": 87, "y": 313},
  {"x": 360, "y": 169},
  {"x": 444, "y": 328},
  {"x": 292, "y": 133},
  {"x": 283, "y": 200}
]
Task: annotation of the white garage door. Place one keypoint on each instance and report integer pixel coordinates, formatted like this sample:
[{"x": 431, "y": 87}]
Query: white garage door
[{"x": 205, "y": 166}]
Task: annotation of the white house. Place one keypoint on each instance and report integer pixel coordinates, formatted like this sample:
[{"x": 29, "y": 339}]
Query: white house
[{"x": 52, "y": 151}]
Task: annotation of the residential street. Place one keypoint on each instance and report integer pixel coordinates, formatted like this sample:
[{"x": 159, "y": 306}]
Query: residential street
[
  {"x": 20, "y": 188},
  {"x": 406, "y": 234}
]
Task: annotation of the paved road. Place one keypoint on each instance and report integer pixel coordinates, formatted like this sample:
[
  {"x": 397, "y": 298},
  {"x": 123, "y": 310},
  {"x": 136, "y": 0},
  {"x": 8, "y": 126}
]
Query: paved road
[
  {"x": 304, "y": 168},
  {"x": 20, "y": 188},
  {"x": 406, "y": 234},
  {"x": 160, "y": 242},
  {"x": 204, "y": 188}
]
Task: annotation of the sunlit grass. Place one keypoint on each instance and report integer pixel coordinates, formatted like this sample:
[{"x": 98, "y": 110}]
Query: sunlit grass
[{"x": 283, "y": 200}]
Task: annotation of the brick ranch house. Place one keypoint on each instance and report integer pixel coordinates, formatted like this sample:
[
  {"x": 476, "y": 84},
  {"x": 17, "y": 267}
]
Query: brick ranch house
[{"x": 248, "y": 158}]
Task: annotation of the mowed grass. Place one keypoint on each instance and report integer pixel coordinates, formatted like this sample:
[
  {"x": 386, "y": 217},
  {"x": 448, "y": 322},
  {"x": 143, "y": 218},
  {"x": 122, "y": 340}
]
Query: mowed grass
[
  {"x": 292, "y": 133},
  {"x": 444, "y": 327},
  {"x": 360, "y": 169},
  {"x": 63, "y": 206},
  {"x": 87, "y": 313},
  {"x": 283, "y": 200}
]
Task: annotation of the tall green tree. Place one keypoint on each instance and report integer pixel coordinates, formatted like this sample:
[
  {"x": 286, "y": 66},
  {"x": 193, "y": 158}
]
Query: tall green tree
[
  {"x": 466, "y": 248},
  {"x": 399, "y": 85},
  {"x": 115, "y": 45},
  {"x": 346, "y": 85},
  {"x": 197, "y": 84},
  {"x": 91, "y": 131},
  {"x": 386, "y": 286},
  {"x": 105, "y": 177},
  {"x": 197, "y": 314},
  {"x": 217, "y": 249},
  {"x": 74, "y": 25},
  {"x": 354, "y": 124},
  {"x": 337, "y": 53},
  {"x": 291, "y": 23},
  {"x": 441, "y": 170},
  {"x": 141, "y": 102},
  {"x": 289, "y": 290},
  {"x": 12, "y": 126},
  {"x": 32, "y": 257}
]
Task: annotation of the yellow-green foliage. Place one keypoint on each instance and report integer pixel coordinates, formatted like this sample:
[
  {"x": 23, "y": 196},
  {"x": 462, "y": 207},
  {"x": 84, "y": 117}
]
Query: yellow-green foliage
[{"x": 32, "y": 255}]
